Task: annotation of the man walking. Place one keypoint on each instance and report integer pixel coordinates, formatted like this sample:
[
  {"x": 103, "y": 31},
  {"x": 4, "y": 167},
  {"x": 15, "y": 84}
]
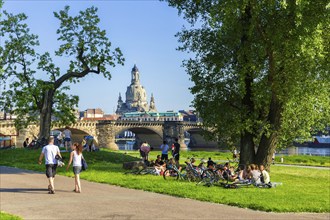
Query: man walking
[{"x": 50, "y": 152}]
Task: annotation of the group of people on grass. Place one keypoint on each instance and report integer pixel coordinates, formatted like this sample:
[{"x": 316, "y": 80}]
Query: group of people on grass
[
  {"x": 162, "y": 160},
  {"x": 243, "y": 174},
  {"x": 52, "y": 155}
]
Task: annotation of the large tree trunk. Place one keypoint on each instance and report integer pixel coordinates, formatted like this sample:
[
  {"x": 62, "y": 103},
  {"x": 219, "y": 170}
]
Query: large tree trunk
[
  {"x": 266, "y": 150},
  {"x": 247, "y": 152},
  {"x": 268, "y": 143},
  {"x": 45, "y": 115}
]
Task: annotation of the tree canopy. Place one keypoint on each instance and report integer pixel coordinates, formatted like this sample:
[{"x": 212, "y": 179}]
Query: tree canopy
[
  {"x": 260, "y": 71},
  {"x": 32, "y": 86}
]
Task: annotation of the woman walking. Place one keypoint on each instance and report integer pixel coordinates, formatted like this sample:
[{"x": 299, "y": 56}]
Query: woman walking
[{"x": 76, "y": 156}]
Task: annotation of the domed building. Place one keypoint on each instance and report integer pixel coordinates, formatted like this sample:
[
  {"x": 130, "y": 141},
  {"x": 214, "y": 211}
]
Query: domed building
[{"x": 136, "y": 97}]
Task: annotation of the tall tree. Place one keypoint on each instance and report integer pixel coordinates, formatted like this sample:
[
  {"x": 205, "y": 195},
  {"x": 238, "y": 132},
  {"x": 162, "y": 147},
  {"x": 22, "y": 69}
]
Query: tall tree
[
  {"x": 261, "y": 70},
  {"x": 33, "y": 99}
]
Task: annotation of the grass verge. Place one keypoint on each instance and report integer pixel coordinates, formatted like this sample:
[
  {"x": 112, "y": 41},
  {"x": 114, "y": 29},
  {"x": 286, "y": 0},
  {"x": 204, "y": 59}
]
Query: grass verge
[
  {"x": 7, "y": 216},
  {"x": 305, "y": 160},
  {"x": 303, "y": 189}
]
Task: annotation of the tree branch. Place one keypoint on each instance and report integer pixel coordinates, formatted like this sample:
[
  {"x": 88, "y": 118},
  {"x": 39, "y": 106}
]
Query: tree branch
[{"x": 81, "y": 74}]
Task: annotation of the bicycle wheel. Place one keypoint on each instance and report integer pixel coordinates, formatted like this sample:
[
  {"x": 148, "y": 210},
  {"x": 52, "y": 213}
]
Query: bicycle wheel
[
  {"x": 183, "y": 173},
  {"x": 192, "y": 176},
  {"x": 208, "y": 177},
  {"x": 170, "y": 174}
]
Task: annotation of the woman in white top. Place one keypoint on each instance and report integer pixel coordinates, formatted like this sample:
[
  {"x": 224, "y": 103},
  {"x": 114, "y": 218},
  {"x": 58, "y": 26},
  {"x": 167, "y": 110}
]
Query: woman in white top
[{"x": 76, "y": 156}]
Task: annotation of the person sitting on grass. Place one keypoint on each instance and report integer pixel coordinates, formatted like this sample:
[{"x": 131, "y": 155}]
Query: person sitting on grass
[
  {"x": 247, "y": 175},
  {"x": 232, "y": 175},
  {"x": 255, "y": 174},
  {"x": 210, "y": 163},
  {"x": 192, "y": 162},
  {"x": 159, "y": 161},
  {"x": 171, "y": 163},
  {"x": 226, "y": 172},
  {"x": 265, "y": 178},
  {"x": 242, "y": 174},
  {"x": 159, "y": 165}
]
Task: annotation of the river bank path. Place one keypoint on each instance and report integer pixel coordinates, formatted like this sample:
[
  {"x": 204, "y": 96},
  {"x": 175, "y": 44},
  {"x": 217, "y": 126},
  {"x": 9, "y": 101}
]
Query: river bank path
[{"x": 24, "y": 193}]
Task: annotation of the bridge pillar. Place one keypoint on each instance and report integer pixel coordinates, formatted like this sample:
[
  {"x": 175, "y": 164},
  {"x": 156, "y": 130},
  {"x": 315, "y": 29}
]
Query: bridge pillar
[
  {"x": 106, "y": 136},
  {"x": 172, "y": 130},
  {"x": 23, "y": 134},
  {"x": 183, "y": 145}
]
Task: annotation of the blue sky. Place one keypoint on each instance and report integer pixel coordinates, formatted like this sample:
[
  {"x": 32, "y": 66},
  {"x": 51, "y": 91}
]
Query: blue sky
[{"x": 143, "y": 30}]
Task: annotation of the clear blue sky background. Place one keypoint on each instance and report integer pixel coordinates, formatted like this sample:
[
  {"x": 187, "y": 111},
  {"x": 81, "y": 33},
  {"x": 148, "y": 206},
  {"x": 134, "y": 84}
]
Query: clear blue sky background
[{"x": 143, "y": 30}]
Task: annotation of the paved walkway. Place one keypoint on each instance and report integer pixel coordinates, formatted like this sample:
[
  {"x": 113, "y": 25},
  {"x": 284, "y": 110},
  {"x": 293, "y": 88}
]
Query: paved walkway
[{"x": 24, "y": 193}]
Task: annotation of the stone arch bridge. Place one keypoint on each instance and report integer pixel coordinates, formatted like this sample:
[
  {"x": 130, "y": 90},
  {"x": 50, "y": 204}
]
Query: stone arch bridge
[{"x": 106, "y": 131}]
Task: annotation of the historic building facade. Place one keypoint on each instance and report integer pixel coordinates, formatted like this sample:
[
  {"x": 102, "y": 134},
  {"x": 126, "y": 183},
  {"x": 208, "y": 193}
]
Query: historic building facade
[{"x": 136, "y": 97}]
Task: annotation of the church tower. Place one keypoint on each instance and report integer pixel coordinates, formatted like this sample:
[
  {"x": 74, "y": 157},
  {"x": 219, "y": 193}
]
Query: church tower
[
  {"x": 136, "y": 96},
  {"x": 120, "y": 104},
  {"x": 152, "y": 107}
]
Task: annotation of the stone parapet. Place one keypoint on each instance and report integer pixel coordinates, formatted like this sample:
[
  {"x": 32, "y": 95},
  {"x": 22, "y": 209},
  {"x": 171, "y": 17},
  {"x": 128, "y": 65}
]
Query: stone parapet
[{"x": 105, "y": 131}]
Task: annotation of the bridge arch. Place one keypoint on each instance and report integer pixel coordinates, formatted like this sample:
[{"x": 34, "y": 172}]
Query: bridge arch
[
  {"x": 149, "y": 134},
  {"x": 78, "y": 134},
  {"x": 197, "y": 140}
]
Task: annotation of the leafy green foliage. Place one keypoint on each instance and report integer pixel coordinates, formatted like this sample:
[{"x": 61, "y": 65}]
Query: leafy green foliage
[
  {"x": 35, "y": 99},
  {"x": 82, "y": 38},
  {"x": 260, "y": 71}
]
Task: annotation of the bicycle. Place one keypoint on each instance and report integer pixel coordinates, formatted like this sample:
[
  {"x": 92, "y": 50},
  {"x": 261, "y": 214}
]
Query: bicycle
[
  {"x": 173, "y": 173},
  {"x": 194, "y": 173},
  {"x": 149, "y": 170},
  {"x": 217, "y": 175},
  {"x": 220, "y": 174}
]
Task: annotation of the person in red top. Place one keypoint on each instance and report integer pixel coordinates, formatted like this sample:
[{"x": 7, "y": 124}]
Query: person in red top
[{"x": 173, "y": 147}]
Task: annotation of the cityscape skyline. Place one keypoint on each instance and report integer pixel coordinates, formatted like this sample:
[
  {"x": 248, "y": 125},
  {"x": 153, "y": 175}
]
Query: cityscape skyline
[{"x": 143, "y": 30}]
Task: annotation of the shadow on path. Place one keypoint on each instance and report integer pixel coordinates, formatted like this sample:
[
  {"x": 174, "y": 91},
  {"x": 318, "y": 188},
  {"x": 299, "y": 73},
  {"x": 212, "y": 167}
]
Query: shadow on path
[{"x": 23, "y": 190}]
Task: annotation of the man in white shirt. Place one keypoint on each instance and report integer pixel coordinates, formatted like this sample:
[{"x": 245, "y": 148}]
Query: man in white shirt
[{"x": 49, "y": 152}]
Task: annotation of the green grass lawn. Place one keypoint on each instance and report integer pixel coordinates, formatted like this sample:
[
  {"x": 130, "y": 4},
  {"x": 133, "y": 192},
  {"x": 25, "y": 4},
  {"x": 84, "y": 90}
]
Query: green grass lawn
[
  {"x": 306, "y": 160},
  {"x": 303, "y": 189},
  {"x": 7, "y": 216}
]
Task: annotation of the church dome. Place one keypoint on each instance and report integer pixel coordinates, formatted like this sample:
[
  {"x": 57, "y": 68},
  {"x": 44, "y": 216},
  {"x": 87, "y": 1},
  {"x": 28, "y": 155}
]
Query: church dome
[{"x": 136, "y": 96}]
